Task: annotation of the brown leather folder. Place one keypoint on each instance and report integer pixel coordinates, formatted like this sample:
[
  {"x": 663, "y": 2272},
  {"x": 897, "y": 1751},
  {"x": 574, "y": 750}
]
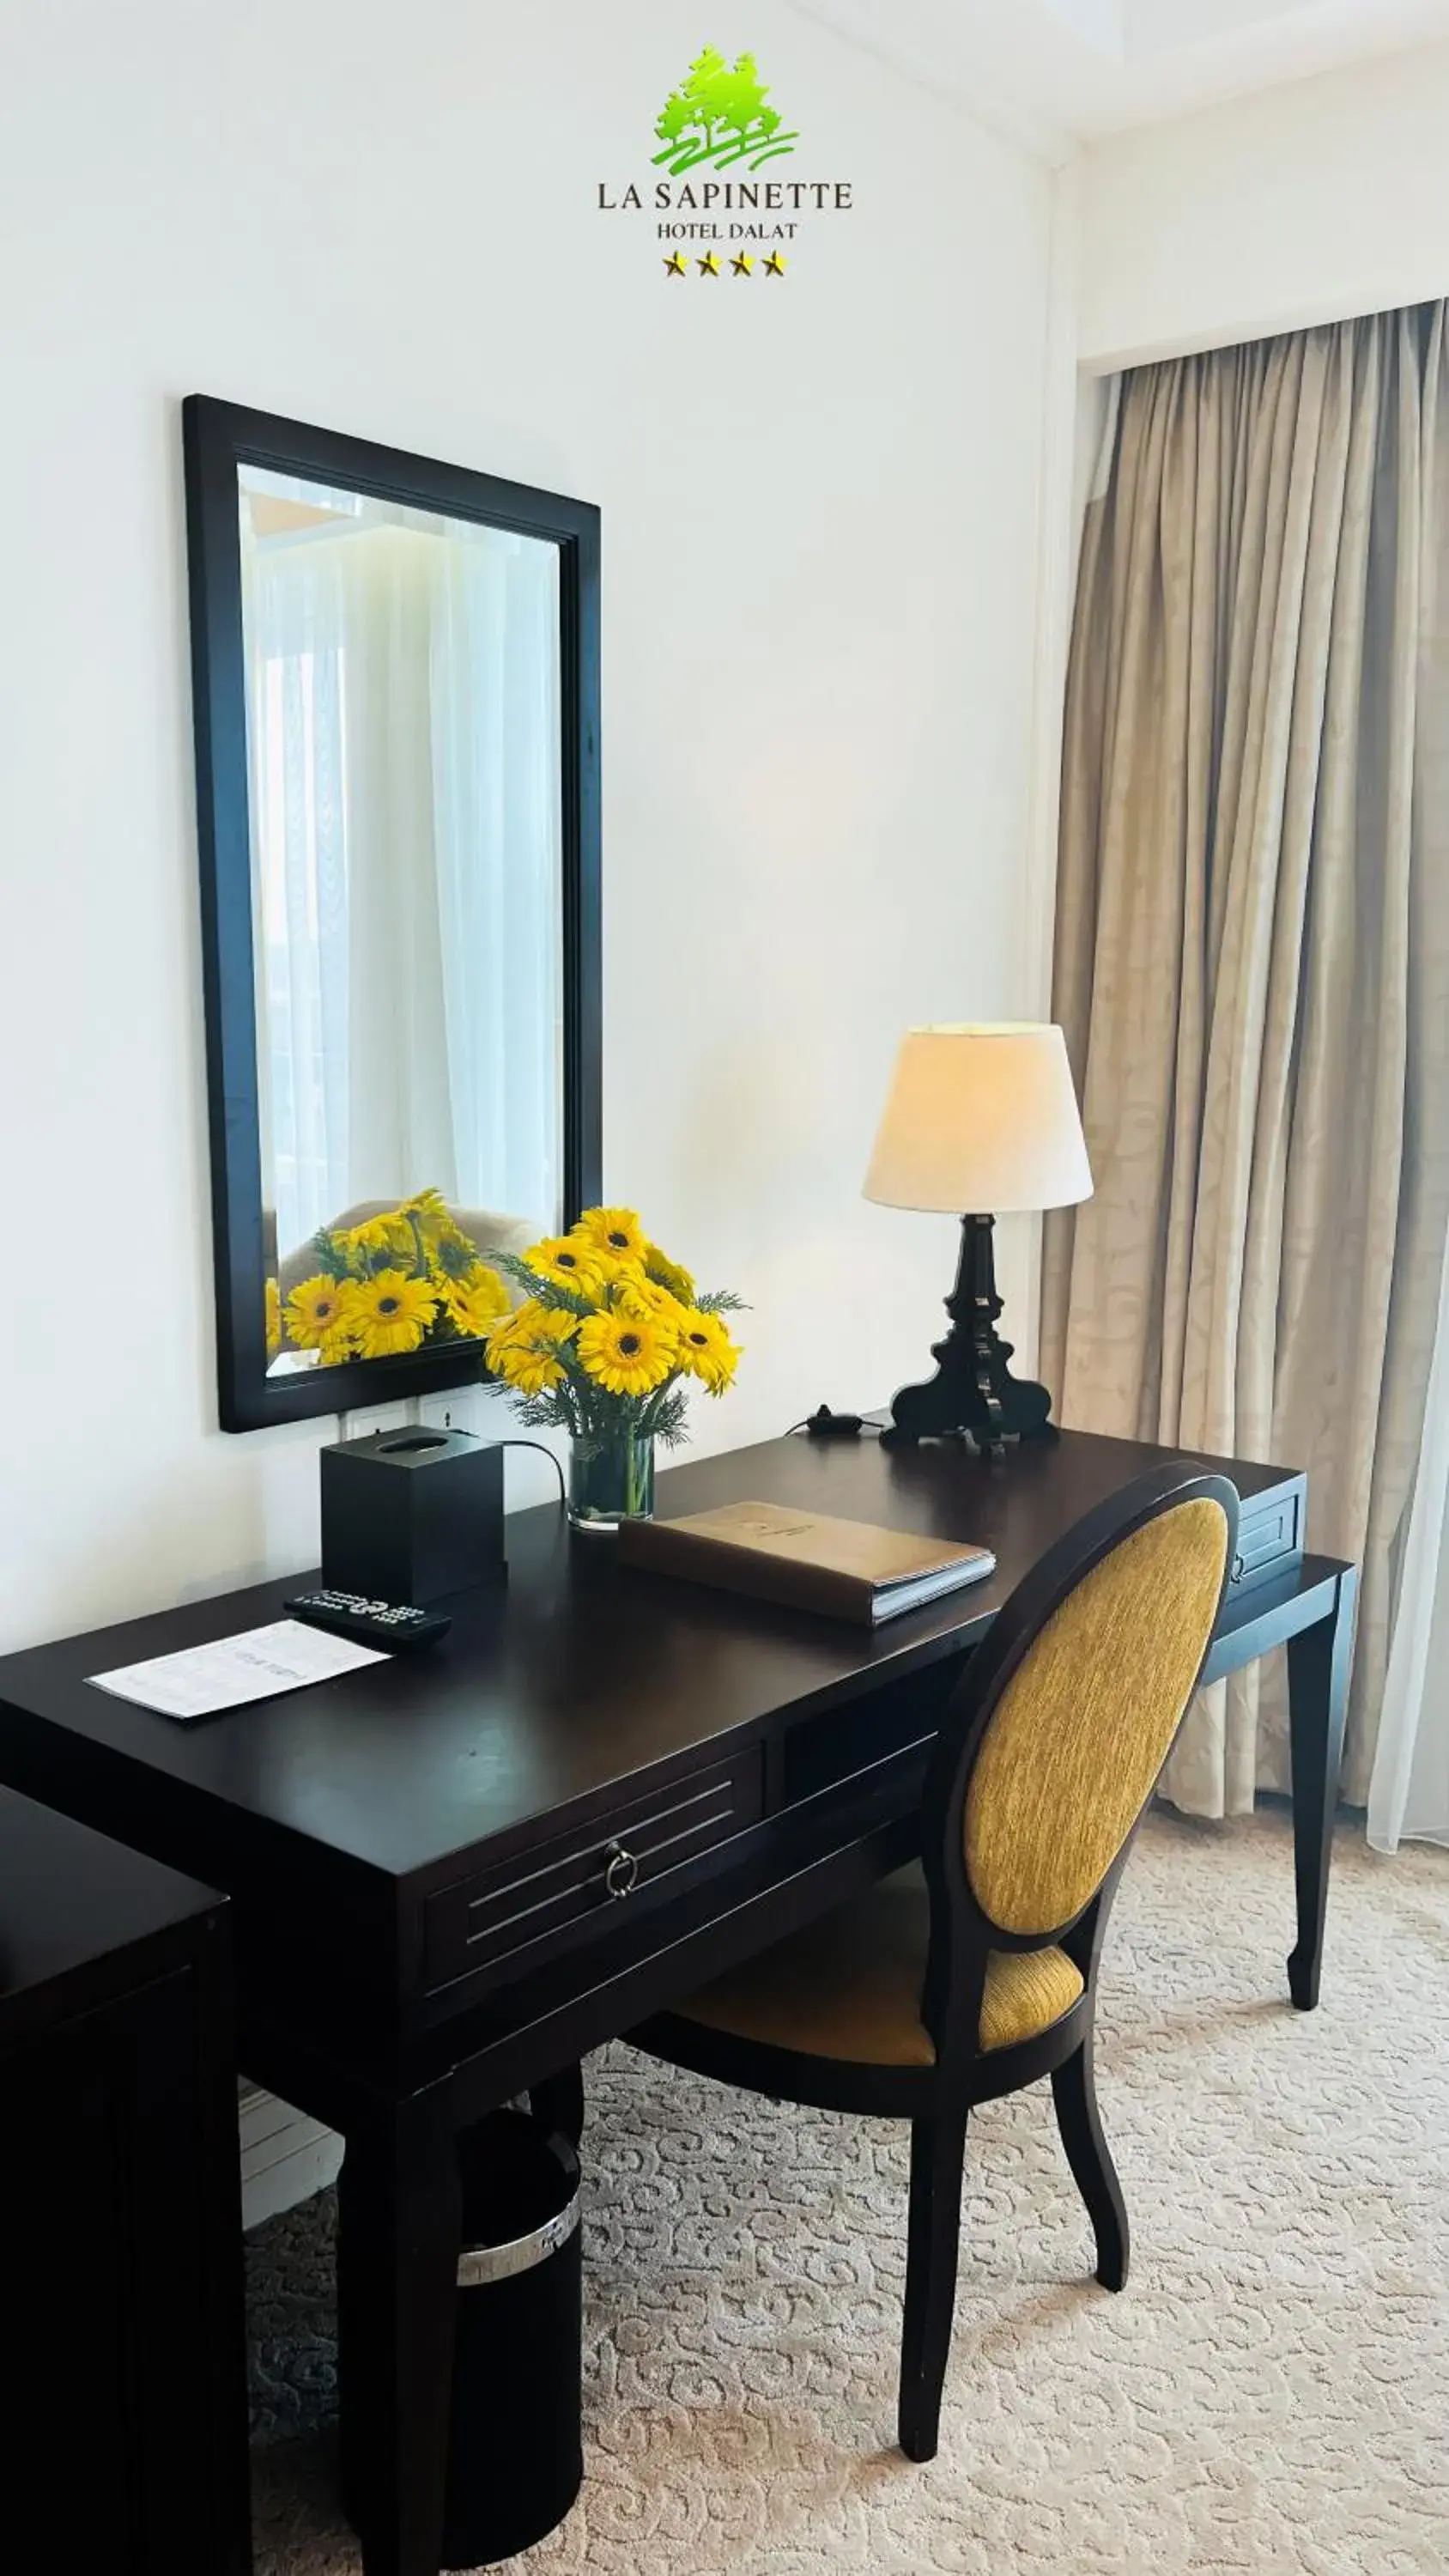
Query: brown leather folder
[{"x": 843, "y": 1569}]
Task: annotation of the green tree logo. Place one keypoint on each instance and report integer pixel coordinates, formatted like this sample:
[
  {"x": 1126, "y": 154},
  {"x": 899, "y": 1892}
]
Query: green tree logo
[{"x": 722, "y": 115}]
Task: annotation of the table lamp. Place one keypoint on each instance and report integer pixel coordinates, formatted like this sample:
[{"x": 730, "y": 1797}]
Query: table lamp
[{"x": 980, "y": 1117}]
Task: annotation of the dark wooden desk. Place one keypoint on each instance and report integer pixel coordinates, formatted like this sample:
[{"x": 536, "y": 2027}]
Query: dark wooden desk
[{"x": 419, "y": 1854}]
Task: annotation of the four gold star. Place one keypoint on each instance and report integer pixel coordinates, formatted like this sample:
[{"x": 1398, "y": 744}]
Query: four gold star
[{"x": 741, "y": 265}]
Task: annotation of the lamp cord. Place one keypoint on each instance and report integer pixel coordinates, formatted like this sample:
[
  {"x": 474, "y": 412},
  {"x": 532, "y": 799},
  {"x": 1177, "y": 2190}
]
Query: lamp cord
[
  {"x": 543, "y": 1449},
  {"x": 825, "y": 1424},
  {"x": 544, "y": 1452}
]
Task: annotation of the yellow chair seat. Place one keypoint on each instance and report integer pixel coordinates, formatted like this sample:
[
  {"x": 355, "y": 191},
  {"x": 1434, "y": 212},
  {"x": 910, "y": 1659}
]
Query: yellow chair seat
[{"x": 849, "y": 1985}]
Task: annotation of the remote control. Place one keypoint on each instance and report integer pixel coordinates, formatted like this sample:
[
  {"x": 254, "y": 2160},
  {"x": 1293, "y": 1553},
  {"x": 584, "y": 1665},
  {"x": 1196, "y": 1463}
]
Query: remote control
[{"x": 388, "y": 1624}]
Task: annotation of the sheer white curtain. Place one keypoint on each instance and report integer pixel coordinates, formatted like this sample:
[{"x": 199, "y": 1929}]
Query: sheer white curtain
[
  {"x": 1409, "y": 1789},
  {"x": 295, "y": 610},
  {"x": 1408, "y": 1795},
  {"x": 405, "y": 782},
  {"x": 496, "y": 768}
]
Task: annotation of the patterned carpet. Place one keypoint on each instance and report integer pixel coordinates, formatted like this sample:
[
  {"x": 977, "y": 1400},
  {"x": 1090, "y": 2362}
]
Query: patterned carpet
[{"x": 1270, "y": 2393}]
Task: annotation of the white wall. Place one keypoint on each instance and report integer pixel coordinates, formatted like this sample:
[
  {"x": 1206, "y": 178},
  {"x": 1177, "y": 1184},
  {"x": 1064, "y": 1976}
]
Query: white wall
[
  {"x": 1306, "y": 203},
  {"x": 820, "y": 506}
]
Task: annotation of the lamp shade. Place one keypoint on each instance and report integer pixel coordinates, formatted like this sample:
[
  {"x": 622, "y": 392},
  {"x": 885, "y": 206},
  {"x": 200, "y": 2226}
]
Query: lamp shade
[{"x": 981, "y": 1121}]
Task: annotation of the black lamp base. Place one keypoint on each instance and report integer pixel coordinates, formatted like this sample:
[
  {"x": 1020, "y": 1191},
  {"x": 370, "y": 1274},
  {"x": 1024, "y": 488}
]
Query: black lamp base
[{"x": 973, "y": 1395}]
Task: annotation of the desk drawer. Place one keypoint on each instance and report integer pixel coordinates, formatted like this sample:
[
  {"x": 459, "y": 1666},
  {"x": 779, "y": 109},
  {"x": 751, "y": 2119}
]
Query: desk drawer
[
  {"x": 517, "y": 1912},
  {"x": 1270, "y": 1537},
  {"x": 839, "y": 1744}
]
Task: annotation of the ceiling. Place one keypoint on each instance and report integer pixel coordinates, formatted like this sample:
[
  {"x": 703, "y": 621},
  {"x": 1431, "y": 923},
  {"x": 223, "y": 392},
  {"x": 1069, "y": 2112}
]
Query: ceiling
[{"x": 1053, "y": 73}]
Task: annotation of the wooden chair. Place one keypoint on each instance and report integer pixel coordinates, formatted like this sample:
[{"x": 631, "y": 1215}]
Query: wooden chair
[{"x": 974, "y": 1971}]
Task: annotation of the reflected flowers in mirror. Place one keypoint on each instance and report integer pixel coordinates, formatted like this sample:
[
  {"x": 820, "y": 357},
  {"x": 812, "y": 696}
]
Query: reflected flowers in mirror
[{"x": 402, "y": 1281}]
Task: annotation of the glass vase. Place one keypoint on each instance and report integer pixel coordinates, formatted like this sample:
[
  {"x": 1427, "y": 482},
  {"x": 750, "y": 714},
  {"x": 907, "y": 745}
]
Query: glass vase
[{"x": 612, "y": 1481}]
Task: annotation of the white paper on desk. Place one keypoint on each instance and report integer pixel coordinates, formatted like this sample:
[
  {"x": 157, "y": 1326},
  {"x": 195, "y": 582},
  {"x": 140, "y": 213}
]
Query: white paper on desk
[{"x": 259, "y": 1664}]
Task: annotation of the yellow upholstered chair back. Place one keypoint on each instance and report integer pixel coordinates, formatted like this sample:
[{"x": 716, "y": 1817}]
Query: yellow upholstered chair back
[{"x": 1082, "y": 1727}]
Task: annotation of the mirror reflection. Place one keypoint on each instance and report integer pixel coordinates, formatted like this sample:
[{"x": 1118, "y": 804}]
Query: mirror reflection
[{"x": 402, "y": 674}]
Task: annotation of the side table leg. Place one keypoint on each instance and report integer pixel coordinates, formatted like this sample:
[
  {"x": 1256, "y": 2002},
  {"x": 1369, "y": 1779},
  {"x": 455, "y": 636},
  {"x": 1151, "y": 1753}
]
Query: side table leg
[
  {"x": 398, "y": 2240},
  {"x": 1318, "y": 1662}
]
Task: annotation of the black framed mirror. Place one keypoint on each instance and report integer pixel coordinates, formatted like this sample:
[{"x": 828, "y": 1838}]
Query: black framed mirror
[{"x": 395, "y": 668}]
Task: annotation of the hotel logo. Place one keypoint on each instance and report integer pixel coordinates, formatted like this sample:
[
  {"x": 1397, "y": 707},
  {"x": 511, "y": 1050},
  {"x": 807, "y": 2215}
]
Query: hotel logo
[{"x": 720, "y": 118}]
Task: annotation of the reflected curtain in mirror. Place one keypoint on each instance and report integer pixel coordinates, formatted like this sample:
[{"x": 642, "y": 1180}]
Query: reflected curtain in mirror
[{"x": 402, "y": 677}]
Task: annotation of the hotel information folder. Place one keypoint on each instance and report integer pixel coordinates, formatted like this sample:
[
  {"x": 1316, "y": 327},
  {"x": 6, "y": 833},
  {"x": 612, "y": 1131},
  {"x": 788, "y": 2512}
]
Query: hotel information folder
[{"x": 844, "y": 1569}]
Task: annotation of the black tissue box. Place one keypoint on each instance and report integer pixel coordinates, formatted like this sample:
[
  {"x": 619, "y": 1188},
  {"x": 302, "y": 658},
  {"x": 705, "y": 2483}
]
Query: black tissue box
[{"x": 413, "y": 1514}]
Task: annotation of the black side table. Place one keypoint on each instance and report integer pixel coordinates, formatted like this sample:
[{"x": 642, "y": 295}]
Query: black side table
[{"x": 123, "y": 2435}]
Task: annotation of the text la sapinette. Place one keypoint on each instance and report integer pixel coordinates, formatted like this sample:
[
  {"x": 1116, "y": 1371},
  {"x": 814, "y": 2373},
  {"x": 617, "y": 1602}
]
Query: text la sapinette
[{"x": 736, "y": 198}]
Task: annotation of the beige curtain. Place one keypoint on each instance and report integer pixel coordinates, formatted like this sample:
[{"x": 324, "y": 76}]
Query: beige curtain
[{"x": 1252, "y": 959}]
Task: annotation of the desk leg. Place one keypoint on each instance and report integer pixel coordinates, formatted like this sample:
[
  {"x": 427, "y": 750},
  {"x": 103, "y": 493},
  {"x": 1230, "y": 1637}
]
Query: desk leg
[
  {"x": 399, "y": 2237},
  {"x": 1318, "y": 1660},
  {"x": 558, "y": 2103}
]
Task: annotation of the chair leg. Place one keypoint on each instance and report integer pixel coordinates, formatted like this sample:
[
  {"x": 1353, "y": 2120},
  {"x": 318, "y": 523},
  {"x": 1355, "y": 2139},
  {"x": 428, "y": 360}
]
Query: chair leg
[
  {"x": 938, "y": 2155},
  {"x": 1075, "y": 2093}
]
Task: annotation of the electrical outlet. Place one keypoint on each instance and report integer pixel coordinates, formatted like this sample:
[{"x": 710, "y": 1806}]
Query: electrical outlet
[
  {"x": 375, "y": 1417},
  {"x": 456, "y": 1409}
]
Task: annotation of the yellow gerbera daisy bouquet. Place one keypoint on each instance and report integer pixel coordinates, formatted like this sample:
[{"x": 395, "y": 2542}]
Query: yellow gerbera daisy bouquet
[
  {"x": 408, "y": 1277},
  {"x": 609, "y": 1338}
]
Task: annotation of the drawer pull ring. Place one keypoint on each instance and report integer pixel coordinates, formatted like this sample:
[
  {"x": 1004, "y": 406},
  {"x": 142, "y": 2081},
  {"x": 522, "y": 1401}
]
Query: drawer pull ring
[
  {"x": 1239, "y": 1569},
  {"x": 621, "y": 1876}
]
